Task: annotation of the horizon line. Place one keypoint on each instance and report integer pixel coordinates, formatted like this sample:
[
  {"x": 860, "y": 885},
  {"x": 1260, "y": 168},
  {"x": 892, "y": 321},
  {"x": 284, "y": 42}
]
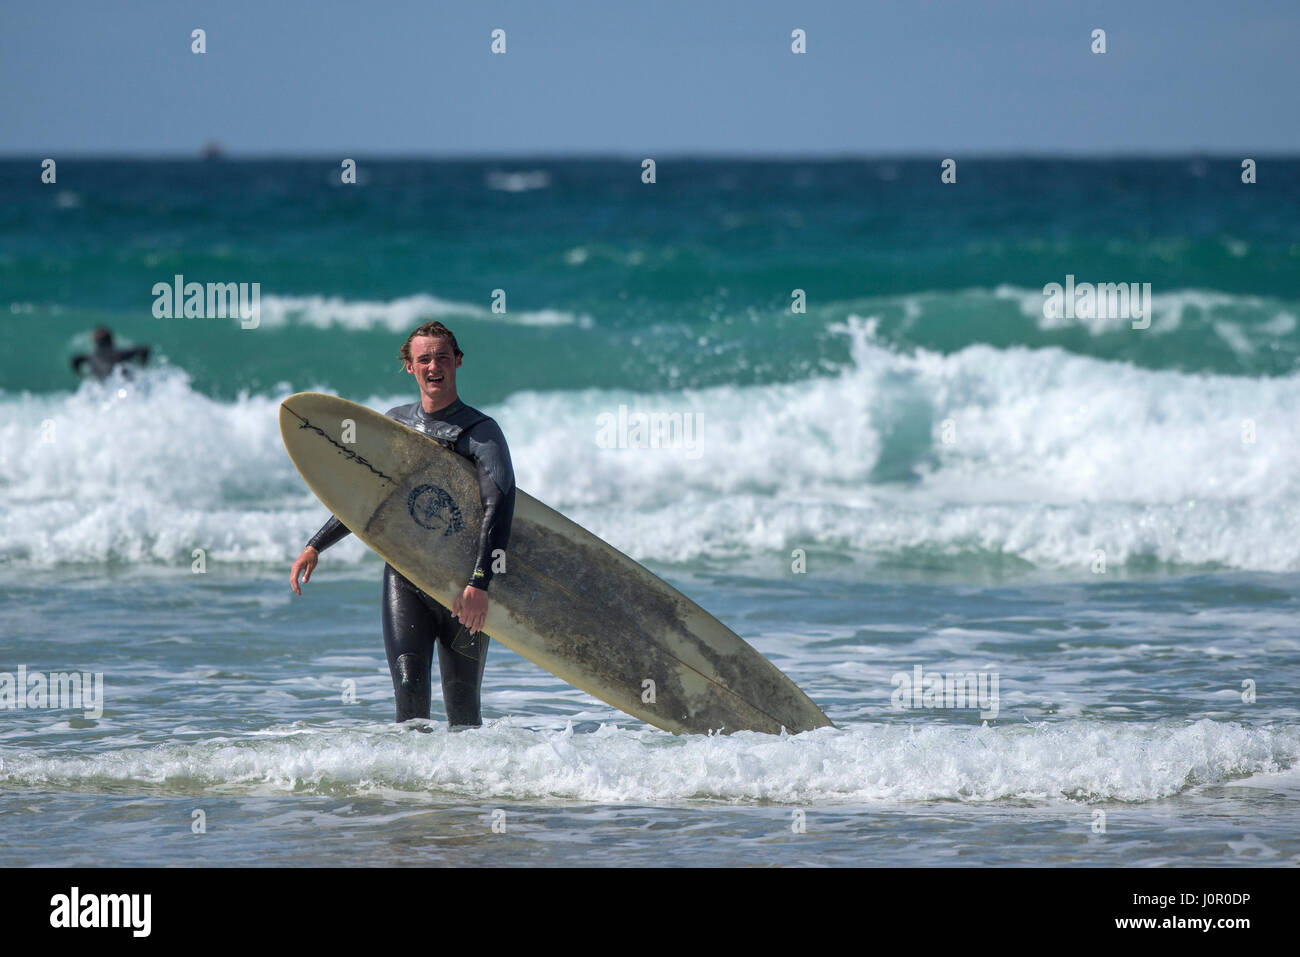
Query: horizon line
[{"x": 617, "y": 156}]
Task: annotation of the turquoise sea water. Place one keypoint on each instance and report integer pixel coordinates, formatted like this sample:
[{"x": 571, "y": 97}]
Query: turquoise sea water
[{"x": 1101, "y": 516}]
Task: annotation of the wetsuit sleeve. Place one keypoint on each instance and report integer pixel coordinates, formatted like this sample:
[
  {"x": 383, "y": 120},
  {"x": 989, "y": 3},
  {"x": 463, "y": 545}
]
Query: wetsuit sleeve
[
  {"x": 78, "y": 362},
  {"x": 488, "y": 451},
  {"x": 331, "y": 532}
]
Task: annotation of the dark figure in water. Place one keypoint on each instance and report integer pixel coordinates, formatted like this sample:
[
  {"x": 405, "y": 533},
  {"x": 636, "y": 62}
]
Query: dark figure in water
[
  {"x": 107, "y": 356},
  {"x": 415, "y": 622}
]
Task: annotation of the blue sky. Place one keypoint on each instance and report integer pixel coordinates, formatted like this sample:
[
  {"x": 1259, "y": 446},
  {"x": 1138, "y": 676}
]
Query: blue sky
[{"x": 652, "y": 78}]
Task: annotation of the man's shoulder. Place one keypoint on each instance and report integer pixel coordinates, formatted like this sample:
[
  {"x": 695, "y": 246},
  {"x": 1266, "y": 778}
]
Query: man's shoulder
[
  {"x": 481, "y": 426},
  {"x": 472, "y": 416},
  {"x": 473, "y": 421},
  {"x": 401, "y": 412}
]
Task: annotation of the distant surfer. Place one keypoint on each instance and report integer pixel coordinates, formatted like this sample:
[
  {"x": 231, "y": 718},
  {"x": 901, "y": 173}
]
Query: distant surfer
[
  {"x": 414, "y": 622},
  {"x": 107, "y": 356}
]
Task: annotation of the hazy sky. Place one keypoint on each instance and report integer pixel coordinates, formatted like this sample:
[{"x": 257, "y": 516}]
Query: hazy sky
[{"x": 649, "y": 77}]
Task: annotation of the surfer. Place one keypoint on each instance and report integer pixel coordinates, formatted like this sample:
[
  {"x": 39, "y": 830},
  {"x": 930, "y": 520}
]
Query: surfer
[
  {"x": 413, "y": 621},
  {"x": 107, "y": 356}
]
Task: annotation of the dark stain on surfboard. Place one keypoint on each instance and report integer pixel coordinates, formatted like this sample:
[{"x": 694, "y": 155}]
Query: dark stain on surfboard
[
  {"x": 626, "y": 658},
  {"x": 347, "y": 452},
  {"x": 427, "y": 505}
]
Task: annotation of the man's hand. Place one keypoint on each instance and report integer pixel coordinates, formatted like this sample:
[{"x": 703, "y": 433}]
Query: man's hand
[
  {"x": 304, "y": 566},
  {"x": 471, "y": 608}
]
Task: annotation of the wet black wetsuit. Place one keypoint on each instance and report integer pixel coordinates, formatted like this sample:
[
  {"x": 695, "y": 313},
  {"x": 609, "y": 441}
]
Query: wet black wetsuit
[
  {"x": 108, "y": 357},
  {"x": 413, "y": 620}
]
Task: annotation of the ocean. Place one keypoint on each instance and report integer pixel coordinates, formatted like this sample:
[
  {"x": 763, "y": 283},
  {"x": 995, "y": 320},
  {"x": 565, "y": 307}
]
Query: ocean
[{"x": 906, "y": 471}]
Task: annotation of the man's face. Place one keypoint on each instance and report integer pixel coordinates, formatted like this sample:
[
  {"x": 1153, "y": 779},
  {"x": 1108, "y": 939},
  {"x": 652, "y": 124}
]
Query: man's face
[{"x": 434, "y": 365}]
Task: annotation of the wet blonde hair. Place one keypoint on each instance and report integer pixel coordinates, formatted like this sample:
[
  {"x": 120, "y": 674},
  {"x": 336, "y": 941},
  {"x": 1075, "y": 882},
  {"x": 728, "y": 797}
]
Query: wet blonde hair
[{"x": 435, "y": 329}]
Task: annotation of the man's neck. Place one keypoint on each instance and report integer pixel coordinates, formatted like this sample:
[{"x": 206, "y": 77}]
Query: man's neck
[{"x": 428, "y": 405}]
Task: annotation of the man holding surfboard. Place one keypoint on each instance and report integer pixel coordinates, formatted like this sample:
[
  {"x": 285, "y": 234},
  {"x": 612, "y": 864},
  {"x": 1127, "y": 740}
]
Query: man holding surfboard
[{"x": 413, "y": 621}]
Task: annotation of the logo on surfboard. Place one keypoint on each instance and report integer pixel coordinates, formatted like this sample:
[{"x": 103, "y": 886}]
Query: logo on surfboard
[{"x": 433, "y": 508}]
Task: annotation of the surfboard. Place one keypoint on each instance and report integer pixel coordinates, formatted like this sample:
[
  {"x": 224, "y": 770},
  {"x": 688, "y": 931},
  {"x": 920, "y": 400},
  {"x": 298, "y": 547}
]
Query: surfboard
[{"x": 565, "y": 600}]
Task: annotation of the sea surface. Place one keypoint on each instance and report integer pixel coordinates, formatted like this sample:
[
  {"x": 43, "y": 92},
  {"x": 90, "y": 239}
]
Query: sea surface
[{"x": 923, "y": 468}]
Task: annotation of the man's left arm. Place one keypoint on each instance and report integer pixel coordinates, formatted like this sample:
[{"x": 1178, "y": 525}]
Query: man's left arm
[{"x": 486, "y": 447}]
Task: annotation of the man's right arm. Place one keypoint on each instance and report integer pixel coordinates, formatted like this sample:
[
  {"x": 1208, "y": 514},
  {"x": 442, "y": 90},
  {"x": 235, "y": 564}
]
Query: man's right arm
[
  {"x": 331, "y": 532},
  {"x": 302, "y": 568}
]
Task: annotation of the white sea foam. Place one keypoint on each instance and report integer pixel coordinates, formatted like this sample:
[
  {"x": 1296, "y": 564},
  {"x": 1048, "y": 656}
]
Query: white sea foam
[
  {"x": 1052, "y": 457},
  {"x": 398, "y": 315},
  {"x": 1071, "y": 760},
  {"x": 1040, "y": 455},
  {"x": 143, "y": 471}
]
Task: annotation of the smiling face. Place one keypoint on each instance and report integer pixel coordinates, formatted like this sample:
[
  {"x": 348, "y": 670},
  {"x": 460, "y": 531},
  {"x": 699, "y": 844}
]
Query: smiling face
[{"x": 434, "y": 363}]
